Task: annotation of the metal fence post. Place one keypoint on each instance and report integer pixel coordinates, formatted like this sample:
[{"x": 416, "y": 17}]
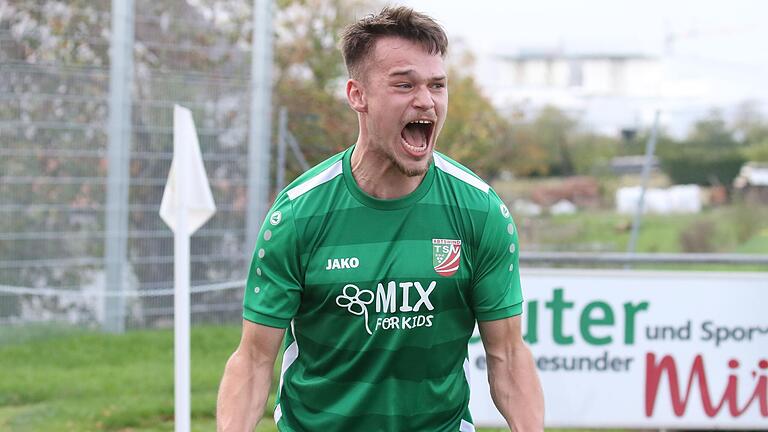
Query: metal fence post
[
  {"x": 260, "y": 128},
  {"x": 282, "y": 128},
  {"x": 650, "y": 148},
  {"x": 115, "y": 239},
  {"x": 296, "y": 149}
]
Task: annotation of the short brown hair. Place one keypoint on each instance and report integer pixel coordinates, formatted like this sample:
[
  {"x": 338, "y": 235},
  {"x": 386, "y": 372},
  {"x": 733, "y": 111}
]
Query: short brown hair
[{"x": 359, "y": 38}]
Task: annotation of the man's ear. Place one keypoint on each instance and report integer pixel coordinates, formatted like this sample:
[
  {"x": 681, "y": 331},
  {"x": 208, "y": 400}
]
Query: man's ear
[{"x": 356, "y": 96}]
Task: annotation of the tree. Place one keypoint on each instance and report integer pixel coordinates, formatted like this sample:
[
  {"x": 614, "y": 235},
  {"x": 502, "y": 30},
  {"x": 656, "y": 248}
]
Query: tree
[
  {"x": 709, "y": 155},
  {"x": 751, "y": 127},
  {"x": 592, "y": 152},
  {"x": 525, "y": 155},
  {"x": 311, "y": 75},
  {"x": 474, "y": 131},
  {"x": 554, "y": 130},
  {"x": 547, "y": 145}
]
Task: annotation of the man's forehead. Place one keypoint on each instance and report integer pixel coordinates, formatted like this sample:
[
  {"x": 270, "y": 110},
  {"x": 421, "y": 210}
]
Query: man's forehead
[
  {"x": 386, "y": 43},
  {"x": 398, "y": 56}
]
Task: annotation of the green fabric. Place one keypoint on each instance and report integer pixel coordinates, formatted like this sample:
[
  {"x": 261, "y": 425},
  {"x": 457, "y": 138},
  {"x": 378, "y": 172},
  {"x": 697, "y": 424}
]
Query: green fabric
[{"x": 379, "y": 316}]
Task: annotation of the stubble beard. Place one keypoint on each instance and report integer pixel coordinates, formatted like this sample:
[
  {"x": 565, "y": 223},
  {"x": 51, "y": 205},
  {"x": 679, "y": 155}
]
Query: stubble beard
[{"x": 408, "y": 172}]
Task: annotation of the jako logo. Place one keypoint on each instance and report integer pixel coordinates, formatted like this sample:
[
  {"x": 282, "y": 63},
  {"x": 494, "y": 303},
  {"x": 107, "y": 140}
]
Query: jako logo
[{"x": 342, "y": 263}]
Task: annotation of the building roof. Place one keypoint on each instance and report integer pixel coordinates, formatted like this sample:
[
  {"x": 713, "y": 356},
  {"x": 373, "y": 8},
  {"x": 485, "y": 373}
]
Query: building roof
[{"x": 552, "y": 55}]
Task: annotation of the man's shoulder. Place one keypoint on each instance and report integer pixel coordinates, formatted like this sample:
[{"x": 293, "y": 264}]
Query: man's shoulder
[
  {"x": 472, "y": 191},
  {"x": 321, "y": 173},
  {"x": 457, "y": 172},
  {"x": 472, "y": 187}
]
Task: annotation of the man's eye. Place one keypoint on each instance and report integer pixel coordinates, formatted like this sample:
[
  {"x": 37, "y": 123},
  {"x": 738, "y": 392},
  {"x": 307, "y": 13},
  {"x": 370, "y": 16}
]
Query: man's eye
[
  {"x": 438, "y": 85},
  {"x": 404, "y": 86}
]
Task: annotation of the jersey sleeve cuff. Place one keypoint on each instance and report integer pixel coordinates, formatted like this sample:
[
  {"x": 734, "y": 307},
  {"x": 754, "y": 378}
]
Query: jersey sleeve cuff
[
  {"x": 500, "y": 313},
  {"x": 266, "y": 320}
]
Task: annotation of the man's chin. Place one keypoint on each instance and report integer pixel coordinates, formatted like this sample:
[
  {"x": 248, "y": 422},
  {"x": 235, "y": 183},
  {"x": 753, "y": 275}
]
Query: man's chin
[
  {"x": 415, "y": 173},
  {"x": 412, "y": 169}
]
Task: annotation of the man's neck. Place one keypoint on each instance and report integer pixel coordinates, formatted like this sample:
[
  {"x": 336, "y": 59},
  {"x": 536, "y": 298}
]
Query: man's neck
[{"x": 378, "y": 176}]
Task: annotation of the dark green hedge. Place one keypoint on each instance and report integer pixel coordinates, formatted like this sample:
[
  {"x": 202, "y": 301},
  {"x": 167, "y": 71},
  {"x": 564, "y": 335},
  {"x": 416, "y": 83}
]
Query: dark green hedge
[{"x": 702, "y": 165}]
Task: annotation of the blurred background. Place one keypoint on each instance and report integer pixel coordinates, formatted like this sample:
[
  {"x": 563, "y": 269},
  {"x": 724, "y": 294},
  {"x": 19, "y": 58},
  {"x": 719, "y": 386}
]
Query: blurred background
[{"x": 552, "y": 102}]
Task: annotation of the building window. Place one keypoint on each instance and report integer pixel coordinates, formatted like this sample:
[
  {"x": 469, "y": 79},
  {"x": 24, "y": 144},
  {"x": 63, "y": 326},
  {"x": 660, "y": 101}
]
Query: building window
[{"x": 576, "y": 75}]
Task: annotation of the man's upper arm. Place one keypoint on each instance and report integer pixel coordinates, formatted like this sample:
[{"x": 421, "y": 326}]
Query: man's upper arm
[
  {"x": 496, "y": 292},
  {"x": 260, "y": 342},
  {"x": 274, "y": 285},
  {"x": 500, "y": 335}
]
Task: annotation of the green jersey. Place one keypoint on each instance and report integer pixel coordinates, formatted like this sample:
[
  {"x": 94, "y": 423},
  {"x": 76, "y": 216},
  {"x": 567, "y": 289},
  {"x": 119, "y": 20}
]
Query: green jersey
[{"x": 380, "y": 297}]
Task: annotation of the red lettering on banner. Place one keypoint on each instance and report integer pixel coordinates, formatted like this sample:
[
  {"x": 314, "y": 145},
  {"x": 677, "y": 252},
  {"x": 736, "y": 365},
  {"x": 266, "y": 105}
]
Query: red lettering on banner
[{"x": 654, "y": 372}]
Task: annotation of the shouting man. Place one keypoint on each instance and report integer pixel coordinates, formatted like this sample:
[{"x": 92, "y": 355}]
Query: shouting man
[{"x": 372, "y": 268}]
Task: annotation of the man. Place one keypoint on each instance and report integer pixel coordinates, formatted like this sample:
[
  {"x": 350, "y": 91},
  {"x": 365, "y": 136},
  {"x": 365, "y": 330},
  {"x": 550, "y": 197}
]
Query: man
[{"x": 378, "y": 262}]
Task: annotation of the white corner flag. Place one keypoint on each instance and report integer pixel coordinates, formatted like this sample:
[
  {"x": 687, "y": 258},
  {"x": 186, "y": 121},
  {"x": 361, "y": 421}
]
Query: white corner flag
[
  {"x": 187, "y": 172},
  {"x": 187, "y": 204}
]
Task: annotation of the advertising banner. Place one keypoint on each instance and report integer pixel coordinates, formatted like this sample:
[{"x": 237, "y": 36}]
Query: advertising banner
[{"x": 642, "y": 349}]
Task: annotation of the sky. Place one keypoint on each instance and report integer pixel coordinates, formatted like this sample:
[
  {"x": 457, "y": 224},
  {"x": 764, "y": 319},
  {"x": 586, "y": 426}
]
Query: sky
[{"x": 717, "y": 46}]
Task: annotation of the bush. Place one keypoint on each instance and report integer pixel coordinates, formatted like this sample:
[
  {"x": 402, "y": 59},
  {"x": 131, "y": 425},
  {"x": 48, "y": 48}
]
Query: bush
[
  {"x": 709, "y": 155},
  {"x": 702, "y": 166},
  {"x": 747, "y": 221},
  {"x": 698, "y": 237}
]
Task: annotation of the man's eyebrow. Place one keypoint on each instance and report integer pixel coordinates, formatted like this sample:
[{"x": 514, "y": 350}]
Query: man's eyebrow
[
  {"x": 401, "y": 72},
  {"x": 406, "y": 72}
]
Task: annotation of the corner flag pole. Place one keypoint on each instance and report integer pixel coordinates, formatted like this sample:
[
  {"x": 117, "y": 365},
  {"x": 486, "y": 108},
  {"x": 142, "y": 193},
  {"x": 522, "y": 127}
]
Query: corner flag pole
[
  {"x": 187, "y": 204},
  {"x": 181, "y": 318}
]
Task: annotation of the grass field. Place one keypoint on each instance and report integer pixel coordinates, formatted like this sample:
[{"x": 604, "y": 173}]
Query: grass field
[
  {"x": 84, "y": 382},
  {"x": 59, "y": 380},
  {"x": 730, "y": 229}
]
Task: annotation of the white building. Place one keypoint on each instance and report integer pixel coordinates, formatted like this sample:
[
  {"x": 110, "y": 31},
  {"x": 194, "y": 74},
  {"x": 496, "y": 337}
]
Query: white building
[
  {"x": 583, "y": 75},
  {"x": 609, "y": 92},
  {"x": 752, "y": 174}
]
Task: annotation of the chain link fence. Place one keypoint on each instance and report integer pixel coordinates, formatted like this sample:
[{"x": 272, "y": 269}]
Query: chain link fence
[{"x": 54, "y": 165}]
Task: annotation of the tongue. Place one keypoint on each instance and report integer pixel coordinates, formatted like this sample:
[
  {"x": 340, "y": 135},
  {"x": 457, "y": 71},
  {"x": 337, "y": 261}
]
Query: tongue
[{"x": 415, "y": 135}]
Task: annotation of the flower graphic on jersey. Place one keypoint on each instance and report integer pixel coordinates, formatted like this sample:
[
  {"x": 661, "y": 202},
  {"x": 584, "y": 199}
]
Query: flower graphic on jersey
[
  {"x": 352, "y": 298},
  {"x": 446, "y": 256}
]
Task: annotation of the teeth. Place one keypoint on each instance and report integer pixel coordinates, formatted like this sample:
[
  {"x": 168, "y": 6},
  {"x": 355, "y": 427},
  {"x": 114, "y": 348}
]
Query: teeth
[{"x": 422, "y": 122}]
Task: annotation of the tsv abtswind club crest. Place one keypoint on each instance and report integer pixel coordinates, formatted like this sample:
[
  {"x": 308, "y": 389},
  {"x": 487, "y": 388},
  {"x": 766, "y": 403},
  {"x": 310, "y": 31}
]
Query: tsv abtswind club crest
[{"x": 446, "y": 256}]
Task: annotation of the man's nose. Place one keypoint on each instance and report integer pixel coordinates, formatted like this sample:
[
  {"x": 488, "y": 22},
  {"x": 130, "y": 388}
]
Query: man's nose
[{"x": 423, "y": 99}]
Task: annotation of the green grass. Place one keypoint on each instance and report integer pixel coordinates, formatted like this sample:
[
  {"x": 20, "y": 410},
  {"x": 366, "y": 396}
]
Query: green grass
[
  {"x": 729, "y": 229},
  {"x": 732, "y": 229},
  {"x": 35, "y": 331},
  {"x": 756, "y": 244},
  {"x": 87, "y": 381},
  {"x": 82, "y": 381},
  {"x": 738, "y": 227}
]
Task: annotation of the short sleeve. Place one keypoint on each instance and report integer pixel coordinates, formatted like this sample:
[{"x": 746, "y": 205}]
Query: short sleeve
[
  {"x": 496, "y": 290},
  {"x": 273, "y": 288}
]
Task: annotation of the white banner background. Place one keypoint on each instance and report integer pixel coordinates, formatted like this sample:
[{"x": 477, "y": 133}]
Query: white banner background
[{"x": 617, "y": 394}]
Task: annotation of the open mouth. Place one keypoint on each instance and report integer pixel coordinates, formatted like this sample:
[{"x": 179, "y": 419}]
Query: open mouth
[{"x": 416, "y": 136}]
